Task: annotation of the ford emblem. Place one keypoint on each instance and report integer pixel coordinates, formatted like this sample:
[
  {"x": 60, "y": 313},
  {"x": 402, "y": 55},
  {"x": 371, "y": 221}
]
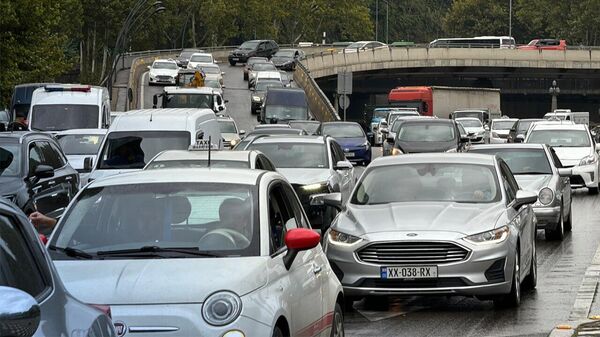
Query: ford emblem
[{"x": 120, "y": 328}]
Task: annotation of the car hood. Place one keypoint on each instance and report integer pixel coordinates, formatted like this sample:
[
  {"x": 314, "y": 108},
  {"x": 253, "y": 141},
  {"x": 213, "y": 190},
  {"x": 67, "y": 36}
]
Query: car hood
[
  {"x": 460, "y": 218},
  {"x": 570, "y": 156},
  {"x": 533, "y": 182},
  {"x": 351, "y": 142},
  {"x": 10, "y": 185},
  {"x": 160, "y": 281},
  {"x": 304, "y": 176},
  {"x": 76, "y": 160},
  {"x": 475, "y": 130},
  {"x": 281, "y": 60},
  {"x": 165, "y": 72},
  {"x": 103, "y": 173},
  {"x": 424, "y": 147}
]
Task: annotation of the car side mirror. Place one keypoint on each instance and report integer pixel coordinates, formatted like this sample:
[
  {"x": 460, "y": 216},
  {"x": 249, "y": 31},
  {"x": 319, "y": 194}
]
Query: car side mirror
[
  {"x": 297, "y": 240},
  {"x": 486, "y": 128},
  {"x": 88, "y": 162},
  {"x": 327, "y": 199},
  {"x": 343, "y": 165},
  {"x": 524, "y": 198},
  {"x": 19, "y": 313},
  {"x": 464, "y": 139},
  {"x": 42, "y": 171},
  {"x": 384, "y": 131},
  {"x": 565, "y": 172},
  {"x": 519, "y": 139},
  {"x": 242, "y": 132},
  {"x": 149, "y": 67},
  {"x": 221, "y": 108}
]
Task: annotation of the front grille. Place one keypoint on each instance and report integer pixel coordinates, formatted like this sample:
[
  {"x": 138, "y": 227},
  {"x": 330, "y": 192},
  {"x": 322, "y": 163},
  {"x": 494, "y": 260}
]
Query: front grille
[
  {"x": 163, "y": 78},
  {"x": 495, "y": 273},
  {"x": 576, "y": 180},
  {"x": 391, "y": 253},
  {"x": 446, "y": 282}
]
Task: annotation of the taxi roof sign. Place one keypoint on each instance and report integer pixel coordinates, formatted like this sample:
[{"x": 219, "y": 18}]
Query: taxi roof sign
[{"x": 203, "y": 145}]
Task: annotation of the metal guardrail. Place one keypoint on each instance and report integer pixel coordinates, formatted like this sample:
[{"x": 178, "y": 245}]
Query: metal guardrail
[{"x": 319, "y": 104}]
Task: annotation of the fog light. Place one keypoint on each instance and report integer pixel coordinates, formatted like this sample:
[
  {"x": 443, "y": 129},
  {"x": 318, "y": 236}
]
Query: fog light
[{"x": 234, "y": 333}]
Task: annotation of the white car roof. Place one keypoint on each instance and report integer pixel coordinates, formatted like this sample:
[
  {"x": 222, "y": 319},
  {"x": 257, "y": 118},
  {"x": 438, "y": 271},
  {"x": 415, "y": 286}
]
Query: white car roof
[
  {"x": 505, "y": 119},
  {"x": 160, "y": 119},
  {"x": 183, "y": 90},
  {"x": 169, "y": 155},
  {"x": 185, "y": 175},
  {"x": 83, "y": 132},
  {"x": 290, "y": 139},
  {"x": 557, "y": 126},
  {"x": 201, "y": 54},
  {"x": 164, "y": 60},
  {"x": 268, "y": 74}
]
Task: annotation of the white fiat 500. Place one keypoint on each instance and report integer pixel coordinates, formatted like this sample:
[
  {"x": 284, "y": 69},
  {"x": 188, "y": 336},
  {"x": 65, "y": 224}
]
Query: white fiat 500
[{"x": 198, "y": 252}]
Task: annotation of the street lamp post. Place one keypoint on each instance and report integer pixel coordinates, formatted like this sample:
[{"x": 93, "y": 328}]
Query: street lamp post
[
  {"x": 387, "y": 21},
  {"x": 554, "y": 91},
  {"x": 510, "y": 18},
  {"x": 377, "y": 20}
]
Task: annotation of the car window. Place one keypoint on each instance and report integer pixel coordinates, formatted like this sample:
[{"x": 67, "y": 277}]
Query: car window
[
  {"x": 555, "y": 159},
  {"x": 265, "y": 163},
  {"x": 337, "y": 152},
  {"x": 280, "y": 212},
  {"x": 36, "y": 157},
  {"x": 296, "y": 208},
  {"x": 510, "y": 186},
  {"x": 18, "y": 267},
  {"x": 57, "y": 160},
  {"x": 10, "y": 159}
]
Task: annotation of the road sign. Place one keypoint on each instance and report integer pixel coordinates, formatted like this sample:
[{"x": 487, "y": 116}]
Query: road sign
[
  {"x": 344, "y": 101},
  {"x": 344, "y": 83}
]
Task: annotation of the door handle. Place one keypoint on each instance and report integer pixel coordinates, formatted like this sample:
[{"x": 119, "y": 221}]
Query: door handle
[{"x": 317, "y": 269}]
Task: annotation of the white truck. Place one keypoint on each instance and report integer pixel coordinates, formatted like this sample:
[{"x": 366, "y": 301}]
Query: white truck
[{"x": 582, "y": 117}]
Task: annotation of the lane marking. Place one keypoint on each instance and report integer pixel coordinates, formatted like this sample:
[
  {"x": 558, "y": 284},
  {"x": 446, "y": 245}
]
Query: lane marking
[
  {"x": 142, "y": 84},
  {"x": 587, "y": 290}
]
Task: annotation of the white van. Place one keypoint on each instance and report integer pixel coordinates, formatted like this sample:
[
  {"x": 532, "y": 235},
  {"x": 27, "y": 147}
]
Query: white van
[
  {"x": 137, "y": 136},
  {"x": 568, "y": 115},
  {"x": 59, "y": 107}
]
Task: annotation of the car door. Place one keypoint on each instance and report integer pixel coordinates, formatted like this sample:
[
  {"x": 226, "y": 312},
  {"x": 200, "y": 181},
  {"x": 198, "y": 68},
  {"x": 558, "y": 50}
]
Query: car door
[
  {"x": 346, "y": 177},
  {"x": 521, "y": 218},
  {"x": 302, "y": 285}
]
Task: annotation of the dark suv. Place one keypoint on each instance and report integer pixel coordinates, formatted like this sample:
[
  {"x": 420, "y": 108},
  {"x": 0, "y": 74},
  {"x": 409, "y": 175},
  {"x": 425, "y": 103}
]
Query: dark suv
[
  {"x": 35, "y": 174},
  {"x": 248, "y": 49}
]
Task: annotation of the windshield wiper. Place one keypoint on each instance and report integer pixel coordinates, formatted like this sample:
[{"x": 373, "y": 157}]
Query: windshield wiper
[
  {"x": 532, "y": 173},
  {"x": 72, "y": 252},
  {"x": 153, "y": 250}
]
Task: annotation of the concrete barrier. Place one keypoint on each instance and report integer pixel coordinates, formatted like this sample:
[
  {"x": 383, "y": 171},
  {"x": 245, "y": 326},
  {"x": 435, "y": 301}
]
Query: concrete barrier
[{"x": 319, "y": 104}]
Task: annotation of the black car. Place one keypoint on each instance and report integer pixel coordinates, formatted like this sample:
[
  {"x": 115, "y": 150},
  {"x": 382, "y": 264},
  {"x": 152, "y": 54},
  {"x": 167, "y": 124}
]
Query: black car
[
  {"x": 520, "y": 129},
  {"x": 248, "y": 49},
  {"x": 21, "y": 100},
  {"x": 259, "y": 91},
  {"x": 184, "y": 57},
  {"x": 428, "y": 135},
  {"x": 35, "y": 174},
  {"x": 286, "y": 59},
  {"x": 283, "y": 105}
]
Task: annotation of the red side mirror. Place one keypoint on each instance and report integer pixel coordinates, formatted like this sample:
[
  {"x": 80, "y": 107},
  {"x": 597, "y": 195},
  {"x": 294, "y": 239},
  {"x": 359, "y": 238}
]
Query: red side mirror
[
  {"x": 43, "y": 238},
  {"x": 301, "y": 239}
]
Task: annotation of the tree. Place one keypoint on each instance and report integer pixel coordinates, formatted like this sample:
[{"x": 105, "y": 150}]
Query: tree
[{"x": 468, "y": 18}]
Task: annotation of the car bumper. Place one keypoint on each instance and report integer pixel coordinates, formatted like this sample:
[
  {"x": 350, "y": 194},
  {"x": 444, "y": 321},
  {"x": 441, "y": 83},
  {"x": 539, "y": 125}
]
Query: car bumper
[
  {"x": 547, "y": 217},
  {"x": 358, "y": 155},
  {"x": 498, "y": 140},
  {"x": 162, "y": 80},
  {"x": 179, "y": 320},
  {"x": 584, "y": 176},
  {"x": 487, "y": 270}
]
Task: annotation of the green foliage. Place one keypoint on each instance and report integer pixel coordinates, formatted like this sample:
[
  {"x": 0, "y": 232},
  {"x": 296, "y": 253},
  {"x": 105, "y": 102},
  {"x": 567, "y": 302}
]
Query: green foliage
[{"x": 468, "y": 18}]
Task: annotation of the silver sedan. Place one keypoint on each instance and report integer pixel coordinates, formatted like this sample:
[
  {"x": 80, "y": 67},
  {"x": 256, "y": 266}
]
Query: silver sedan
[
  {"x": 537, "y": 169},
  {"x": 451, "y": 224}
]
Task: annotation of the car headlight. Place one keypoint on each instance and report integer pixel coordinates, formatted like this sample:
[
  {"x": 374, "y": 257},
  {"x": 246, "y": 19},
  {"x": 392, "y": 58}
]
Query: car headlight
[
  {"x": 366, "y": 144},
  {"x": 545, "y": 196},
  {"x": 340, "y": 238},
  {"x": 312, "y": 188},
  {"x": 221, "y": 308},
  {"x": 591, "y": 159},
  {"x": 256, "y": 98},
  {"x": 497, "y": 235},
  {"x": 396, "y": 151}
]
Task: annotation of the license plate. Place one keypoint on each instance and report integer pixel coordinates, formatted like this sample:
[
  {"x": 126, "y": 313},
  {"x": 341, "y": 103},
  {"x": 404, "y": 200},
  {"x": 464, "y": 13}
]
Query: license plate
[
  {"x": 349, "y": 154},
  {"x": 410, "y": 272},
  {"x": 235, "y": 58}
]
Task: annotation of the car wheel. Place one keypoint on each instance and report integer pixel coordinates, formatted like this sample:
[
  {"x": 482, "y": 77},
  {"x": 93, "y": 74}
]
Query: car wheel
[
  {"x": 569, "y": 220},
  {"x": 232, "y": 63},
  {"x": 593, "y": 190},
  {"x": 349, "y": 302},
  {"x": 337, "y": 326},
  {"x": 512, "y": 299},
  {"x": 530, "y": 281},
  {"x": 277, "y": 332},
  {"x": 557, "y": 233}
]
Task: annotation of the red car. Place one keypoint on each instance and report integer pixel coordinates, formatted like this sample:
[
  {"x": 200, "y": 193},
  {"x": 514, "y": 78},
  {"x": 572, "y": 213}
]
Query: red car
[{"x": 545, "y": 44}]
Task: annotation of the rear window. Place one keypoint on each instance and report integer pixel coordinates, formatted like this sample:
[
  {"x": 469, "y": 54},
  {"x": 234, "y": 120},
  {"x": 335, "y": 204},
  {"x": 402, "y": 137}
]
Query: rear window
[{"x": 80, "y": 144}]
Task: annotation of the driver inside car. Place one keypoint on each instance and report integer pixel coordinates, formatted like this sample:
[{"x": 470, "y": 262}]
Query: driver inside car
[{"x": 234, "y": 221}]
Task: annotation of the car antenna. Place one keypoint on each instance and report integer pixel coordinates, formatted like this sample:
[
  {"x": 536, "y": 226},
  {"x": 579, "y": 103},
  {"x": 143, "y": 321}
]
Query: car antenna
[
  {"x": 209, "y": 149},
  {"x": 151, "y": 116}
]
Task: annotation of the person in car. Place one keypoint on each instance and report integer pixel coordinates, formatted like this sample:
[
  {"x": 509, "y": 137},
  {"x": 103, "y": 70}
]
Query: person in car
[
  {"x": 233, "y": 229},
  {"x": 41, "y": 222}
]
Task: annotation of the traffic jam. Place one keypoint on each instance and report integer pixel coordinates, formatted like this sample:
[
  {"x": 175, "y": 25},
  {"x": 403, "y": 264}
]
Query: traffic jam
[{"x": 174, "y": 221}]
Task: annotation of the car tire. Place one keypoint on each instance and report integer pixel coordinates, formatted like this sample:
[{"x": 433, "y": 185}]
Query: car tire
[
  {"x": 277, "y": 332},
  {"x": 337, "y": 326},
  {"x": 569, "y": 220},
  {"x": 232, "y": 63},
  {"x": 530, "y": 281},
  {"x": 349, "y": 302},
  {"x": 513, "y": 298},
  {"x": 593, "y": 190},
  {"x": 557, "y": 233}
]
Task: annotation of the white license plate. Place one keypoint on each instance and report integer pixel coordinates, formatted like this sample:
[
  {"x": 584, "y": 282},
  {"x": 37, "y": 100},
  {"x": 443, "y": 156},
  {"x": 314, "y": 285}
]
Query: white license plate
[
  {"x": 409, "y": 272},
  {"x": 235, "y": 58},
  {"x": 349, "y": 154}
]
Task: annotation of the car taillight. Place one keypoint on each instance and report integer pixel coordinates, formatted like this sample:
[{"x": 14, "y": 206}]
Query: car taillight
[
  {"x": 104, "y": 308},
  {"x": 43, "y": 238}
]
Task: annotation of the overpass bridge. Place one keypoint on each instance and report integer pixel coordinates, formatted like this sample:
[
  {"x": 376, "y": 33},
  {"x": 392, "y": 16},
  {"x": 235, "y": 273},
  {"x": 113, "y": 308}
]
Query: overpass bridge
[{"x": 523, "y": 76}]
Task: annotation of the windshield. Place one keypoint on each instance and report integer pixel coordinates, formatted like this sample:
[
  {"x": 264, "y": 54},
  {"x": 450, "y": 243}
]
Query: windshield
[
  {"x": 560, "y": 138},
  {"x": 294, "y": 155},
  {"x": 502, "y": 125},
  {"x": 133, "y": 149},
  {"x": 58, "y": 117},
  {"x": 227, "y": 126},
  {"x": 263, "y": 85},
  {"x": 186, "y": 54},
  {"x": 198, "y": 101},
  {"x": 249, "y": 45},
  {"x": 263, "y": 67},
  {"x": 164, "y": 65},
  {"x": 425, "y": 132},
  {"x": 280, "y": 112},
  {"x": 522, "y": 161},
  {"x": 285, "y": 54},
  {"x": 460, "y": 114},
  {"x": 343, "y": 130},
  {"x": 201, "y": 59},
  {"x": 211, "y": 70},
  {"x": 10, "y": 159},
  {"x": 310, "y": 128},
  {"x": 204, "y": 217},
  {"x": 394, "y": 116},
  {"x": 196, "y": 163},
  {"x": 470, "y": 123},
  {"x": 523, "y": 126},
  {"x": 440, "y": 182},
  {"x": 80, "y": 144},
  {"x": 380, "y": 113},
  {"x": 212, "y": 84},
  {"x": 356, "y": 45},
  {"x": 532, "y": 42}
]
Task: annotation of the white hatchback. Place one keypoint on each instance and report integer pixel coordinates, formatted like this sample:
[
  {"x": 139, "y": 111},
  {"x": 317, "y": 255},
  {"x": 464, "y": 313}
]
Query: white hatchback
[{"x": 198, "y": 252}]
